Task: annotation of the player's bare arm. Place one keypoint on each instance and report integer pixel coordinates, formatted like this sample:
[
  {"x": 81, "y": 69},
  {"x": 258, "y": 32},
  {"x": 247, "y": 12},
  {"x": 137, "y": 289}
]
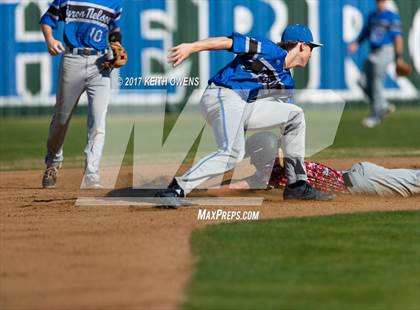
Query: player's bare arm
[
  {"x": 55, "y": 47},
  {"x": 402, "y": 68},
  {"x": 228, "y": 188},
  {"x": 179, "y": 53},
  {"x": 399, "y": 47}
]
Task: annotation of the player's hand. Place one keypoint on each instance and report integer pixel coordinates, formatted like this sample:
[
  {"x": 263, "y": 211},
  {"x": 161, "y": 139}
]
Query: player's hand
[
  {"x": 55, "y": 47},
  {"x": 402, "y": 68},
  {"x": 179, "y": 53},
  {"x": 352, "y": 47},
  {"x": 239, "y": 185}
]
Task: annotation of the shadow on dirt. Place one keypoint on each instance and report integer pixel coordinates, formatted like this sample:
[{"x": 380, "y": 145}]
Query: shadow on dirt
[{"x": 132, "y": 192}]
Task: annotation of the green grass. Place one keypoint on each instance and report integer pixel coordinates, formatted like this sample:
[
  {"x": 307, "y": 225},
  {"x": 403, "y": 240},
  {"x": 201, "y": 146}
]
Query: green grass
[
  {"x": 399, "y": 130},
  {"x": 22, "y": 140},
  {"x": 360, "y": 261},
  {"x": 398, "y": 135}
]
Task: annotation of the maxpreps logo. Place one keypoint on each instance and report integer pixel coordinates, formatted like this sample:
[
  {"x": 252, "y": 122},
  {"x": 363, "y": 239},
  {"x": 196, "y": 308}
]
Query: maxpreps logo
[{"x": 227, "y": 215}]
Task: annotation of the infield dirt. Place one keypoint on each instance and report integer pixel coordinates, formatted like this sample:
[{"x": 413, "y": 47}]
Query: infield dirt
[{"x": 56, "y": 255}]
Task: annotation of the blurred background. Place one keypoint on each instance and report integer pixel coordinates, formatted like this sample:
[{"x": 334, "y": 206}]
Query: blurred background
[{"x": 150, "y": 27}]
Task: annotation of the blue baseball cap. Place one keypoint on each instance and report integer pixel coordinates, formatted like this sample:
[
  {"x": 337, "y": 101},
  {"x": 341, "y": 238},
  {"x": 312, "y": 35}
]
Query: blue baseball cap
[{"x": 298, "y": 33}]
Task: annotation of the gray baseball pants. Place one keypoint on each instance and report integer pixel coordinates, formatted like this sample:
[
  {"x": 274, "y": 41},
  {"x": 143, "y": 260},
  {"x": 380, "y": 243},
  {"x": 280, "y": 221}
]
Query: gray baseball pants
[
  {"x": 370, "y": 179},
  {"x": 375, "y": 70},
  {"x": 229, "y": 115},
  {"x": 77, "y": 75}
]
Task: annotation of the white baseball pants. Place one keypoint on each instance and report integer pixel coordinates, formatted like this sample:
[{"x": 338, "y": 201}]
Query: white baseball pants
[
  {"x": 229, "y": 115},
  {"x": 77, "y": 75},
  {"x": 371, "y": 179}
]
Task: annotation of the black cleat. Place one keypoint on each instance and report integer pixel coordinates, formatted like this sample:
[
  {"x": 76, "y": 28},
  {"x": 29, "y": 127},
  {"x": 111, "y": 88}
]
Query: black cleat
[
  {"x": 49, "y": 179},
  {"x": 170, "y": 192},
  {"x": 171, "y": 197},
  {"x": 306, "y": 192}
]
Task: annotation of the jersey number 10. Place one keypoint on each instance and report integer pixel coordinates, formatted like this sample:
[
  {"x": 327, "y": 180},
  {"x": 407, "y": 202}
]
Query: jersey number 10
[{"x": 96, "y": 34}]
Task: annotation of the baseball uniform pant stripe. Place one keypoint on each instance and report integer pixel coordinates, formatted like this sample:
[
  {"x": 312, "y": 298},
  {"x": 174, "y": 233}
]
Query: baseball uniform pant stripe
[
  {"x": 225, "y": 142},
  {"x": 201, "y": 162},
  {"x": 222, "y": 109}
]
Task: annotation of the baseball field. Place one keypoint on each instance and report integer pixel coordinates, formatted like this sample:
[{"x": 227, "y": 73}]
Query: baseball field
[{"x": 355, "y": 252}]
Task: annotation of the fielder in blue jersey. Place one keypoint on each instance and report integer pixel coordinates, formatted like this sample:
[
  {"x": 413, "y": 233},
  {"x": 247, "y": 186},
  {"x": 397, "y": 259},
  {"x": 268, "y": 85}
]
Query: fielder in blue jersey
[
  {"x": 89, "y": 26},
  {"x": 383, "y": 31},
  {"x": 252, "y": 92},
  {"x": 255, "y": 76}
]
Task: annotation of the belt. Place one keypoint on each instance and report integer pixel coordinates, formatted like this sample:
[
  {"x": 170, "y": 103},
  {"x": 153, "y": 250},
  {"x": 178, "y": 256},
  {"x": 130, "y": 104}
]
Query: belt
[
  {"x": 347, "y": 181},
  {"x": 84, "y": 51}
]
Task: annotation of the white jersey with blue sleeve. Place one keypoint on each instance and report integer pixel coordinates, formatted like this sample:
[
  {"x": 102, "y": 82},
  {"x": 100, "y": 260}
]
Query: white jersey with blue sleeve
[
  {"x": 87, "y": 22},
  {"x": 257, "y": 68}
]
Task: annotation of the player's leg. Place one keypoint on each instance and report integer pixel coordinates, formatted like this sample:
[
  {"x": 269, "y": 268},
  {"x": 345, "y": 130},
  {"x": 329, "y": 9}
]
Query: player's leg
[
  {"x": 271, "y": 113},
  {"x": 98, "y": 90},
  {"x": 376, "y": 67},
  {"x": 70, "y": 87},
  {"x": 266, "y": 114},
  {"x": 369, "y": 67},
  {"x": 224, "y": 110},
  {"x": 370, "y": 179},
  {"x": 369, "y": 89},
  {"x": 383, "y": 59}
]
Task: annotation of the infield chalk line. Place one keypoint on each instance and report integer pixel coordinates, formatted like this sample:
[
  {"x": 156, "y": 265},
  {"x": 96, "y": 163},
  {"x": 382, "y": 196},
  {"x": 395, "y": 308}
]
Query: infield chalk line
[{"x": 153, "y": 201}]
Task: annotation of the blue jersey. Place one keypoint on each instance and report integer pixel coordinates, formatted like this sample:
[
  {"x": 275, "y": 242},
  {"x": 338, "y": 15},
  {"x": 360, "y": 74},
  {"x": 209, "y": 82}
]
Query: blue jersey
[
  {"x": 381, "y": 28},
  {"x": 257, "y": 70},
  {"x": 86, "y": 22}
]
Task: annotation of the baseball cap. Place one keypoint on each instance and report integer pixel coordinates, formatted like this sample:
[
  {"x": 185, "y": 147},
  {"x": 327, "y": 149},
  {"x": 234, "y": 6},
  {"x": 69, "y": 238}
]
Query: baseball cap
[{"x": 298, "y": 33}]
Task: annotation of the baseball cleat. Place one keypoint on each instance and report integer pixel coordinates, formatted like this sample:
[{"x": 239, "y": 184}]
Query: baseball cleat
[
  {"x": 50, "y": 177},
  {"x": 92, "y": 183},
  {"x": 171, "y": 197},
  {"x": 305, "y": 192},
  {"x": 371, "y": 122}
]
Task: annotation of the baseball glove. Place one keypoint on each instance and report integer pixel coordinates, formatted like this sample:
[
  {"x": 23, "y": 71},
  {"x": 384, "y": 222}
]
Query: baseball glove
[
  {"x": 120, "y": 57},
  {"x": 402, "y": 68}
]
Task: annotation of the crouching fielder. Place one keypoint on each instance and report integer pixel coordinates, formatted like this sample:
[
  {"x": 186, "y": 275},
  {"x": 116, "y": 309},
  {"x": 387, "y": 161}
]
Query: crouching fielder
[{"x": 252, "y": 92}]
